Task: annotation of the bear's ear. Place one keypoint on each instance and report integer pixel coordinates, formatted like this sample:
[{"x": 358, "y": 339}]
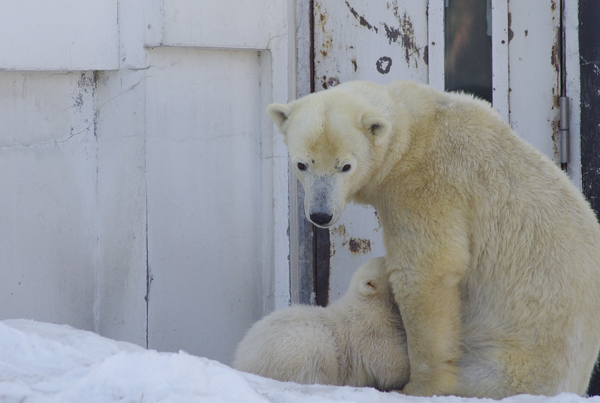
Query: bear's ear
[
  {"x": 376, "y": 126},
  {"x": 368, "y": 287},
  {"x": 279, "y": 113}
]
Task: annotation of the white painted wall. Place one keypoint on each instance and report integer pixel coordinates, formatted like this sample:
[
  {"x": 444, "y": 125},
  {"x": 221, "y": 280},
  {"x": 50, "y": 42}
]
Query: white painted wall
[
  {"x": 47, "y": 226},
  {"x": 59, "y": 35},
  {"x": 144, "y": 193}
]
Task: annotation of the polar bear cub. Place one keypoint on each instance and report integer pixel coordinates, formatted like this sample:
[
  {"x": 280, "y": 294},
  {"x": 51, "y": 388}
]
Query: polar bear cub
[{"x": 358, "y": 340}]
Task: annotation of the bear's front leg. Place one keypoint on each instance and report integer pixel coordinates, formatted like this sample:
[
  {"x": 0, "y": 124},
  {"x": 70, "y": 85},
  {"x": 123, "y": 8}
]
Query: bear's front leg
[{"x": 425, "y": 277}]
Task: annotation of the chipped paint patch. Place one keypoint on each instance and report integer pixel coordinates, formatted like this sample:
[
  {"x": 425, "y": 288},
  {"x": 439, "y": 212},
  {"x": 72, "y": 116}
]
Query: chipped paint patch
[
  {"x": 355, "y": 245},
  {"x": 340, "y": 231},
  {"x": 378, "y": 221},
  {"x": 321, "y": 20},
  {"x": 332, "y": 82},
  {"x": 361, "y": 19},
  {"x": 555, "y": 124},
  {"x": 511, "y": 34},
  {"x": 358, "y": 245},
  {"x": 404, "y": 34},
  {"x": 384, "y": 64}
]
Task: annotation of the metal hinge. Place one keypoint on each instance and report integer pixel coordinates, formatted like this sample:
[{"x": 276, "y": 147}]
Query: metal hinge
[{"x": 564, "y": 136}]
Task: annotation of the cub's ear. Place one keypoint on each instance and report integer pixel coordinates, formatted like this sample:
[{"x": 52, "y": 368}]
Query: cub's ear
[
  {"x": 368, "y": 287},
  {"x": 279, "y": 113},
  {"x": 376, "y": 126}
]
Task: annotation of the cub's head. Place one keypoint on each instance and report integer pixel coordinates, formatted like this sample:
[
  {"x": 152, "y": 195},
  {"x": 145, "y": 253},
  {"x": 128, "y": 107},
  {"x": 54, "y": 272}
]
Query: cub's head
[
  {"x": 333, "y": 138},
  {"x": 371, "y": 281}
]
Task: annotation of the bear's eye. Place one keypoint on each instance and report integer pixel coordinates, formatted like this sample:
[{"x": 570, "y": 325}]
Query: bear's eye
[
  {"x": 301, "y": 166},
  {"x": 346, "y": 168}
]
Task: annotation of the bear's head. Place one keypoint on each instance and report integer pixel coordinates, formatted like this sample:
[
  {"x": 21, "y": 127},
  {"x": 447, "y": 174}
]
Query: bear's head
[{"x": 333, "y": 138}]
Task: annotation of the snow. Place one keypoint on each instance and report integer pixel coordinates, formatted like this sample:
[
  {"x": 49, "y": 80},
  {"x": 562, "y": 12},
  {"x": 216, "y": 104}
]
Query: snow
[{"x": 43, "y": 362}]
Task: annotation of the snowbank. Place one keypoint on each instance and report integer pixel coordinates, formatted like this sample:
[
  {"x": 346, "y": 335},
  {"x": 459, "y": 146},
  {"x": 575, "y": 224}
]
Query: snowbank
[{"x": 41, "y": 362}]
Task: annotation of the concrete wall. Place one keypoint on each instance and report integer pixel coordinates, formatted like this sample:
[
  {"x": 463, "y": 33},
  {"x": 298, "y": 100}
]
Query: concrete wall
[{"x": 144, "y": 193}]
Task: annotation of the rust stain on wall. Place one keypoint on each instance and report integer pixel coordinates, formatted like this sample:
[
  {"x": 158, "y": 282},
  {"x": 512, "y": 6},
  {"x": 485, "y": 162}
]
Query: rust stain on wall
[
  {"x": 556, "y": 136},
  {"x": 355, "y": 245},
  {"x": 340, "y": 231},
  {"x": 321, "y": 18},
  {"x": 359, "y": 245},
  {"x": 555, "y": 60}
]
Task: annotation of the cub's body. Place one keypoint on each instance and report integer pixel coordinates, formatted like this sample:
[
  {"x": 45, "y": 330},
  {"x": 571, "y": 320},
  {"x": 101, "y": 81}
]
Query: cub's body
[{"x": 359, "y": 340}]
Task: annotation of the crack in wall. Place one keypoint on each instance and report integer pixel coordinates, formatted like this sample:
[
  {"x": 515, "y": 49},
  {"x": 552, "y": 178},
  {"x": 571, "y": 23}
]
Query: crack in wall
[{"x": 50, "y": 142}]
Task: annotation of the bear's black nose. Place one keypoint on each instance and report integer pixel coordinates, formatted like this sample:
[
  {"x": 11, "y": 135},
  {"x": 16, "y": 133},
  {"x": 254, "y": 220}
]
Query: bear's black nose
[{"x": 321, "y": 218}]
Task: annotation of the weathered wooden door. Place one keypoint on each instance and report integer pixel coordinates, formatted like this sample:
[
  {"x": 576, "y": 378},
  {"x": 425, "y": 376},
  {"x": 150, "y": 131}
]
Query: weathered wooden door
[{"x": 526, "y": 73}]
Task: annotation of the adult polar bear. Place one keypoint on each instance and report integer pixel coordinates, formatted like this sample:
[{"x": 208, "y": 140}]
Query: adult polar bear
[{"x": 493, "y": 256}]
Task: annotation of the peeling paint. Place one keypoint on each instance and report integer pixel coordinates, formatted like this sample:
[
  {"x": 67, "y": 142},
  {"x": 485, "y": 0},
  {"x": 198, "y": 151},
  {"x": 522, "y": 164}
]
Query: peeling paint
[
  {"x": 555, "y": 56},
  {"x": 405, "y": 34},
  {"x": 378, "y": 221},
  {"x": 332, "y": 82},
  {"x": 511, "y": 34},
  {"x": 355, "y": 245},
  {"x": 555, "y": 60},
  {"x": 85, "y": 84},
  {"x": 359, "y": 245},
  {"x": 555, "y": 124},
  {"x": 384, "y": 64},
  {"x": 361, "y": 19},
  {"x": 340, "y": 231},
  {"x": 321, "y": 21}
]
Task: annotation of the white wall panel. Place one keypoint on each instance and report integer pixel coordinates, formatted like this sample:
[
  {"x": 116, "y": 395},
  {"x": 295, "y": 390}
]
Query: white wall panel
[
  {"x": 204, "y": 115},
  {"x": 146, "y": 198},
  {"x": 370, "y": 40},
  {"x": 212, "y": 23},
  {"x": 59, "y": 35},
  {"x": 120, "y": 310},
  {"x": 48, "y": 226},
  {"x": 534, "y": 60}
]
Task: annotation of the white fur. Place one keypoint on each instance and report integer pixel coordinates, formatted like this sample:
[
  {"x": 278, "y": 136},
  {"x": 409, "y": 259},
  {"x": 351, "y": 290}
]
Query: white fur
[
  {"x": 493, "y": 255},
  {"x": 359, "y": 340}
]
